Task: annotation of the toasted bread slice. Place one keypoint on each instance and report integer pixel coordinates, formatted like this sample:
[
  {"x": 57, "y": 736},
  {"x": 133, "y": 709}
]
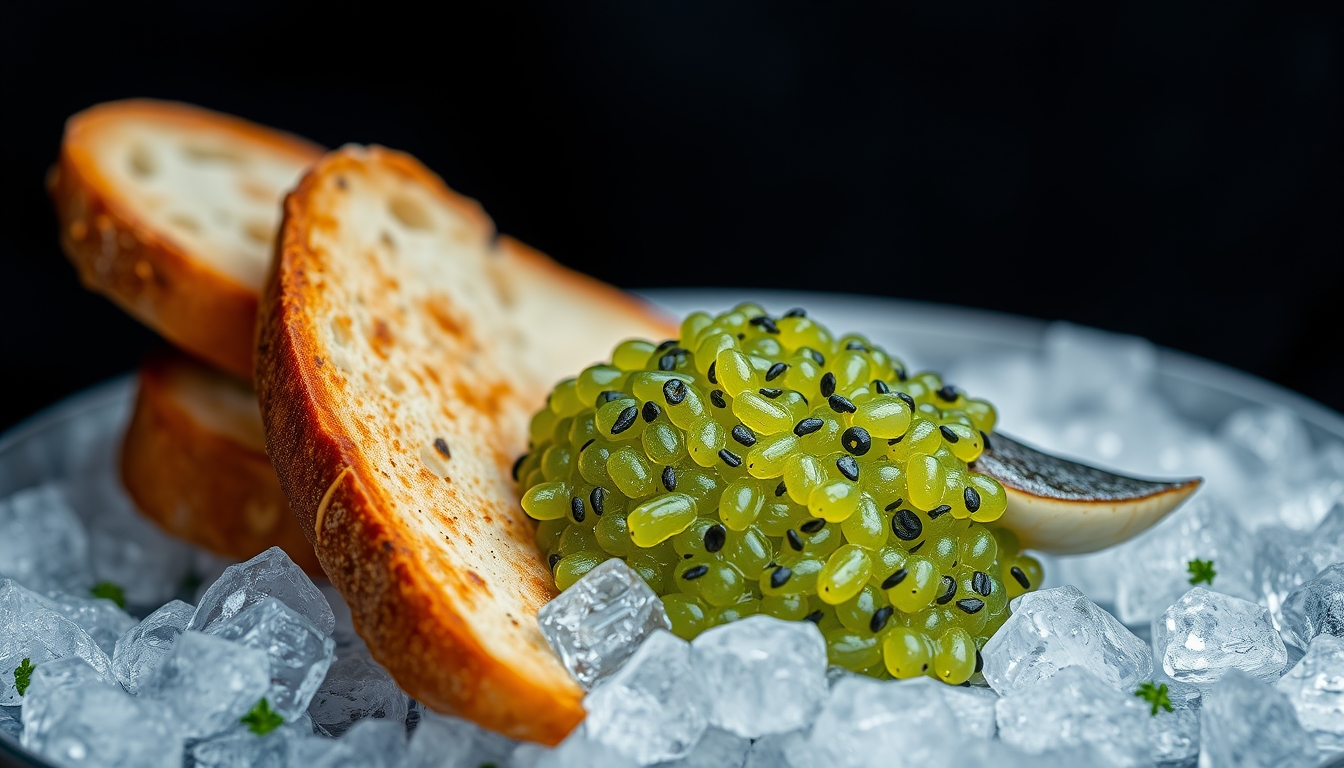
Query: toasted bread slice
[
  {"x": 171, "y": 211},
  {"x": 194, "y": 461},
  {"x": 401, "y": 353}
]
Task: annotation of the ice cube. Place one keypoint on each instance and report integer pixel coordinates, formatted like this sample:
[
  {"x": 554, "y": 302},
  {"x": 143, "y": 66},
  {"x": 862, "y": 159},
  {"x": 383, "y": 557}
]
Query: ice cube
[
  {"x": 141, "y": 649},
  {"x": 1247, "y": 723},
  {"x": 354, "y": 689},
  {"x": 870, "y": 724},
  {"x": 1315, "y": 608},
  {"x": 773, "y": 751},
  {"x": 1154, "y": 569},
  {"x": 1285, "y": 559},
  {"x": 102, "y": 726},
  {"x": 1057, "y": 628},
  {"x": 596, "y": 624},
  {"x": 44, "y": 547},
  {"x": 1075, "y": 709},
  {"x": 11, "y": 722},
  {"x": 299, "y": 652},
  {"x": 244, "y": 749},
  {"x": 971, "y": 706},
  {"x": 1315, "y": 686},
  {"x": 763, "y": 675},
  {"x": 440, "y": 741},
  {"x": 124, "y": 547},
  {"x": 1269, "y": 439},
  {"x": 53, "y": 675},
  {"x": 576, "y": 751},
  {"x": 1174, "y": 735},
  {"x": 716, "y": 749},
  {"x": 209, "y": 682},
  {"x": 99, "y": 617},
  {"x": 1207, "y": 633},
  {"x": 654, "y": 707},
  {"x": 369, "y": 744},
  {"x": 269, "y": 574},
  {"x": 32, "y": 630}
]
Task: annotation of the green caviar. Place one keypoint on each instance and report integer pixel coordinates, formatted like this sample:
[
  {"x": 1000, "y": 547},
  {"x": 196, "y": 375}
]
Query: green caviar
[{"x": 762, "y": 465}]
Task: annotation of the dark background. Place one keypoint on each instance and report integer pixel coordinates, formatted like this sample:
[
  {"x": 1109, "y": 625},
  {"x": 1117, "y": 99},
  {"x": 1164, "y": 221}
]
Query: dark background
[{"x": 1171, "y": 170}]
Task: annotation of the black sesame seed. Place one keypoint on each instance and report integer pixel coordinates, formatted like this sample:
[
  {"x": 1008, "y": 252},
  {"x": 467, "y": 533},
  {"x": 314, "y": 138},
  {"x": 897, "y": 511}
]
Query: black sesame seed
[
  {"x": 808, "y": 426},
  {"x": 949, "y": 591},
  {"x": 743, "y": 435},
  {"x": 841, "y": 404},
  {"x": 711, "y": 374},
  {"x": 715, "y": 536},
  {"x": 591, "y": 440},
  {"x": 901, "y": 375},
  {"x": 880, "y": 387},
  {"x": 651, "y": 411},
  {"x": 576, "y": 509},
  {"x": 667, "y": 362},
  {"x": 827, "y": 384},
  {"x": 907, "y": 399},
  {"x": 895, "y": 440},
  {"x": 816, "y": 356},
  {"x": 794, "y": 540},
  {"x": 895, "y": 578},
  {"x": 848, "y": 467},
  {"x": 880, "y": 617},
  {"x": 971, "y": 604},
  {"x": 716, "y": 397},
  {"x": 972, "y": 498},
  {"x": 695, "y": 572},
  {"x": 906, "y": 525},
  {"x": 939, "y": 511},
  {"x": 669, "y": 479},
  {"x": 741, "y": 336},
  {"x": 796, "y": 312},
  {"x": 598, "y": 500},
  {"x": 666, "y": 345},
  {"x": 517, "y": 465},
  {"x": 776, "y": 371},
  {"x": 1020, "y": 577},
  {"x": 780, "y": 576},
  {"x": 766, "y": 323},
  {"x": 893, "y": 505},
  {"x": 813, "y": 525},
  {"x": 814, "y": 617},
  {"x": 981, "y": 584},
  {"x": 948, "y": 434},
  {"x": 979, "y": 662},
  {"x": 606, "y": 396},
  {"x": 553, "y": 559},
  {"x": 918, "y": 546},
  {"x": 771, "y": 393},
  {"x": 948, "y": 393},
  {"x": 780, "y": 490},
  {"x": 985, "y": 439},
  {"x": 441, "y": 446},
  {"x": 674, "y": 391},
  {"x": 687, "y": 556},
  {"x": 730, "y": 458},
  {"x": 856, "y": 346},
  {"x": 625, "y": 419},
  {"x": 856, "y": 440}
]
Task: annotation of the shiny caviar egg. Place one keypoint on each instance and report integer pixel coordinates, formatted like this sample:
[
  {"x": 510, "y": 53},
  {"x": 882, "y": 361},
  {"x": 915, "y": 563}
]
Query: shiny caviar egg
[{"x": 761, "y": 464}]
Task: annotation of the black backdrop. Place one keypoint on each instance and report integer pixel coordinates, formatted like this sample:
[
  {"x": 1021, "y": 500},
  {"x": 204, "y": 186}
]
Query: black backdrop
[{"x": 1171, "y": 170}]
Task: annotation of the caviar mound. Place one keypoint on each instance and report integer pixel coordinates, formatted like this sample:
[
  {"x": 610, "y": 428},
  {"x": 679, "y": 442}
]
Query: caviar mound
[{"x": 759, "y": 464}]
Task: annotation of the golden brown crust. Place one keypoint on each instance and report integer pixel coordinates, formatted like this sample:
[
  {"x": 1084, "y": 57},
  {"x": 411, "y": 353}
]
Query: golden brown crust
[
  {"x": 414, "y": 626},
  {"x": 141, "y": 268},
  {"x": 210, "y": 486}
]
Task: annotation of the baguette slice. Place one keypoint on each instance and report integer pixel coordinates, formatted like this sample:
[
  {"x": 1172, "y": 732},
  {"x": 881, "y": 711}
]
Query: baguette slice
[
  {"x": 194, "y": 461},
  {"x": 171, "y": 211},
  {"x": 401, "y": 354}
]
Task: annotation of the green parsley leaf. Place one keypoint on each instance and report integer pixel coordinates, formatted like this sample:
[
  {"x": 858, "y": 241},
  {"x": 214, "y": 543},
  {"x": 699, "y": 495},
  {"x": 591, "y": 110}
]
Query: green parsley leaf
[
  {"x": 1155, "y": 695},
  {"x": 261, "y": 719},
  {"x": 23, "y": 676},
  {"x": 110, "y": 591},
  {"x": 1201, "y": 571}
]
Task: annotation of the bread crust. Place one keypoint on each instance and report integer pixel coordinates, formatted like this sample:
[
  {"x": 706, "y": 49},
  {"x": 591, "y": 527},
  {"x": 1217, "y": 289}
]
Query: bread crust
[
  {"x": 346, "y": 504},
  {"x": 141, "y": 268},
  {"x": 211, "y": 486}
]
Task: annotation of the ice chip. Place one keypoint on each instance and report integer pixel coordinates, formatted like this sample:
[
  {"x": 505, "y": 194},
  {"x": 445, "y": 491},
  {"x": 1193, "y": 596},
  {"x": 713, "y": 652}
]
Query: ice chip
[
  {"x": 973, "y": 707},
  {"x": 440, "y": 741},
  {"x": 244, "y": 750},
  {"x": 1154, "y": 571},
  {"x": 870, "y": 724},
  {"x": 1174, "y": 735},
  {"x": 1247, "y": 723},
  {"x": 654, "y": 707},
  {"x": 32, "y": 630},
  {"x": 100, "y": 618},
  {"x": 11, "y": 722},
  {"x": 44, "y": 546},
  {"x": 1207, "y": 633},
  {"x": 716, "y": 749},
  {"x": 763, "y": 675},
  {"x": 101, "y": 726},
  {"x": 576, "y": 751},
  {"x": 1285, "y": 559},
  {"x": 356, "y": 688},
  {"x": 1057, "y": 628},
  {"x": 209, "y": 682},
  {"x": 596, "y": 624},
  {"x": 141, "y": 649},
  {"x": 53, "y": 675},
  {"x": 773, "y": 751},
  {"x": 1075, "y": 709},
  {"x": 269, "y": 574},
  {"x": 1315, "y": 686},
  {"x": 1315, "y": 608},
  {"x": 299, "y": 652},
  {"x": 369, "y": 744}
]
